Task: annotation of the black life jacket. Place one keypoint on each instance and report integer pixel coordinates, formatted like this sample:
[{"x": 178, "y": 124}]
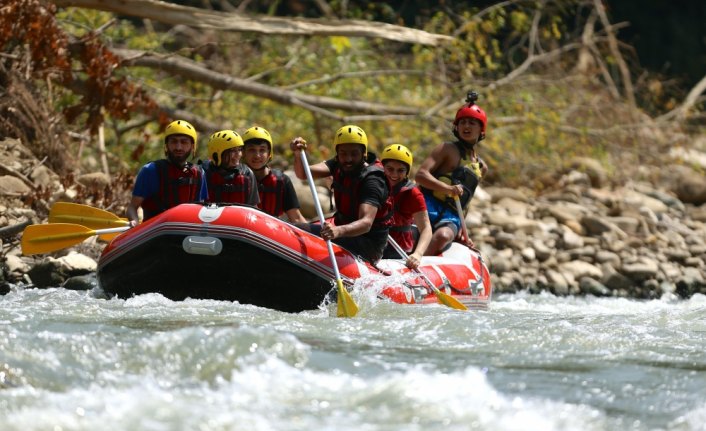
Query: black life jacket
[
  {"x": 177, "y": 185},
  {"x": 346, "y": 192},
  {"x": 467, "y": 175},
  {"x": 228, "y": 185},
  {"x": 271, "y": 189}
]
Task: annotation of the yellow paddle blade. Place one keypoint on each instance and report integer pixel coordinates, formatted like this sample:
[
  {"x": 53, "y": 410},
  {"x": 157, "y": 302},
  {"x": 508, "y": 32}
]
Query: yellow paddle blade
[
  {"x": 449, "y": 300},
  {"x": 45, "y": 238},
  {"x": 346, "y": 304},
  {"x": 107, "y": 237},
  {"x": 94, "y": 218}
]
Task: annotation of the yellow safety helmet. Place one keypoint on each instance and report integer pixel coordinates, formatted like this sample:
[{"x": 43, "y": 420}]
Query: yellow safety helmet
[
  {"x": 181, "y": 127},
  {"x": 350, "y": 134},
  {"x": 256, "y": 132},
  {"x": 397, "y": 152},
  {"x": 220, "y": 142}
]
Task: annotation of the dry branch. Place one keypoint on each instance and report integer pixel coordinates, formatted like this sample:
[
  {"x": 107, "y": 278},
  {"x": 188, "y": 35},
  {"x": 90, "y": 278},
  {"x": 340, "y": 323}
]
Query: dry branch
[
  {"x": 198, "y": 72},
  {"x": 613, "y": 45},
  {"x": 691, "y": 99},
  {"x": 169, "y": 13}
]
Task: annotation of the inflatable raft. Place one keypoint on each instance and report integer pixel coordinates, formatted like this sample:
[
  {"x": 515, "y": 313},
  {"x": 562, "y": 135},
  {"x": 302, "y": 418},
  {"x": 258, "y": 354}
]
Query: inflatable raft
[{"x": 239, "y": 253}]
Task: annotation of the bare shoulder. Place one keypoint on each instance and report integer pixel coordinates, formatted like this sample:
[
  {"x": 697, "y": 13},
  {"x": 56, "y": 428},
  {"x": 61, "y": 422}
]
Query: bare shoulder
[{"x": 447, "y": 157}]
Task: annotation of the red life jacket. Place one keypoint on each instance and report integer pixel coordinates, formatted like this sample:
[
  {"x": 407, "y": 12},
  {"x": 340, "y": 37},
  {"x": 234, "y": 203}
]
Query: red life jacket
[
  {"x": 271, "y": 189},
  {"x": 177, "y": 185},
  {"x": 346, "y": 192},
  {"x": 227, "y": 186},
  {"x": 402, "y": 224}
]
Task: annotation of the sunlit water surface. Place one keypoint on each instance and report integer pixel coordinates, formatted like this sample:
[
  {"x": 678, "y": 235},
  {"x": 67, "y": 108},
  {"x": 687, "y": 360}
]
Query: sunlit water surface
[{"x": 77, "y": 361}]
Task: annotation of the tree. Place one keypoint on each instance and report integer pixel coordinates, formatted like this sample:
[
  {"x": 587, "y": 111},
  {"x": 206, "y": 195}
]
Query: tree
[{"x": 225, "y": 69}]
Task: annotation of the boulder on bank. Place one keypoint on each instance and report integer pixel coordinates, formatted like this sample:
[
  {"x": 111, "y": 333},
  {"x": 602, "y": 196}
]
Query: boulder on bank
[{"x": 53, "y": 272}]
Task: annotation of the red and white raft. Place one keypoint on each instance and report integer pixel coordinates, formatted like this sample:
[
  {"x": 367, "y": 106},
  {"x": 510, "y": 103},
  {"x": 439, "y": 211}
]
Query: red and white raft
[{"x": 239, "y": 253}]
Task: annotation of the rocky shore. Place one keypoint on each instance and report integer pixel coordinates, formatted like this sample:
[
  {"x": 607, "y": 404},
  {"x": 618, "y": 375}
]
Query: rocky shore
[{"x": 584, "y": 236}]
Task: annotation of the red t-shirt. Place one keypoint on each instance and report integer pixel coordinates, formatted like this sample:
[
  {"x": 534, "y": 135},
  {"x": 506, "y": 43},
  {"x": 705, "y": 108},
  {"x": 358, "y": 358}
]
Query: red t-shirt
[{"x": 405, "y": 204}]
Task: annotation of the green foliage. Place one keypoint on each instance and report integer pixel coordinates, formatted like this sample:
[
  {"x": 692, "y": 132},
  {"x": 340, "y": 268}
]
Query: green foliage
[{"x": 537, "y": 122}]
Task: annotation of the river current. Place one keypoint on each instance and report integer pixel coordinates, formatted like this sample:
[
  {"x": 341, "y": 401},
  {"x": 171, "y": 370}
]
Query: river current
[{"x": 77, "y": 361}]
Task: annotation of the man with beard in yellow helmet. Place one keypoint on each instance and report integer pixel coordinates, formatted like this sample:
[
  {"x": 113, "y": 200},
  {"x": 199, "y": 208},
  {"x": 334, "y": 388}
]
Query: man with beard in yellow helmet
[
  {"x": 166, "y": 183},
  {"x": 362, "y": 218}
]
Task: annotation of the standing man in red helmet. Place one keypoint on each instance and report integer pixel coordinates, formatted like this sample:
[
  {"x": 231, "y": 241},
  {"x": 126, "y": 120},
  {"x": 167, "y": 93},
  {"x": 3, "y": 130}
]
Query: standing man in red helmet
[
  {"x": 453, "y": 169},
  {"x": 363, "y": 210},
  {"x": 166, "y": 183}
]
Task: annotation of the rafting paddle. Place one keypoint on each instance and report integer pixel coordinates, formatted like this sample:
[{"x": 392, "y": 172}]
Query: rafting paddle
[
  {"x": 444, "y": 298},
  {"x": 45, "y": 238},
  {"x": 346, "y": 306},
  {"x": 459, "y": 209},
  {"x": 464, "y": 229},
  {"x": 94, "y": 218}
]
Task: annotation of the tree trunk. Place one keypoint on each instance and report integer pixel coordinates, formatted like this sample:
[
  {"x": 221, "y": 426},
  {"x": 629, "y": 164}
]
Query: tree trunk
[{"x": 233, "y": 21}]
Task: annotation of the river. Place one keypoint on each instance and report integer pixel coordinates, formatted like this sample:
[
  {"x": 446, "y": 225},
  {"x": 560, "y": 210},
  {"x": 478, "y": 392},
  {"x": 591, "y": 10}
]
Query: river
[{"x": 76, "y": 361}]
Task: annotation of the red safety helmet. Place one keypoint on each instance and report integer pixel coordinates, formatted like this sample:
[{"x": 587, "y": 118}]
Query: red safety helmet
[{"x": 472, "y": 111}]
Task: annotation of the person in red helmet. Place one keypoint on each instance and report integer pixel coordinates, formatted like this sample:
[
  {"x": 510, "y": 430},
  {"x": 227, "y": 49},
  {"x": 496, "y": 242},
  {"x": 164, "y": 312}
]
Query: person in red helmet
[{"x": 453, "y": 169}]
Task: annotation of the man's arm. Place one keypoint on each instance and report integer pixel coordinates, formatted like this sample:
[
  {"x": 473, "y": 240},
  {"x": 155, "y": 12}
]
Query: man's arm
[
  {"x": 135, "y": 203},
  {"x": 366, "y": 217},
  {"x": 319, "y": 170},
  {"x": 373, "y": 195},
  {"x": 146, "y": 184},
  {"x": 253, "y": 197},
  {"x": 295, "y": 216},
  {"x": 291, "y": 202},
  {"x": 421, "y": 219},
  {"x": 424, "y": 177}
]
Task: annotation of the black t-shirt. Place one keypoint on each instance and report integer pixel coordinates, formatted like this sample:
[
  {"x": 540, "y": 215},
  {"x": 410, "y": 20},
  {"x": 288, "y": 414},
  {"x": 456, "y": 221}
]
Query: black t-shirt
[
  {"x": 373, "y": 191},
  {"x": 290, "y": 200},
  {"x": 373, "y": 188}
]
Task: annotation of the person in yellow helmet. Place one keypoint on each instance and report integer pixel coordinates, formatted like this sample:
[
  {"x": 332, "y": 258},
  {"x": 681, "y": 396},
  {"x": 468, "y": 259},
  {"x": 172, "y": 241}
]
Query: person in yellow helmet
[
  {"x": 362, "y": 219},
  {"x": 408, "y": 206},
  {"x": 229, "y": 180},
  {"x": 277, "y": 194},
  {"x": 166, "y": 183},
  {"x": 453, "y": 169}
]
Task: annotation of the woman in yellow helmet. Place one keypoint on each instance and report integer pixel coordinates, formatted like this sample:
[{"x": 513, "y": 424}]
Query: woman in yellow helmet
[
  {"x": 408, "y": 206},
  {"x": 166, "y": 183},
  {"x": 229, "y": 181}
]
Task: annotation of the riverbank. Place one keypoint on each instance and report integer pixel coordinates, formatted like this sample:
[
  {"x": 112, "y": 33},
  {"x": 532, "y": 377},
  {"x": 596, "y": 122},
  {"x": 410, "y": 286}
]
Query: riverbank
[{"x": 583, "y": 236}]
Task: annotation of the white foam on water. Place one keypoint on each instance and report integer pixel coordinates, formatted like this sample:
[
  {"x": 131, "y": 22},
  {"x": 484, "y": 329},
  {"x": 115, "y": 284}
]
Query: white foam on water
[
  {"x": 275, "y": 395},
  {"x": 691, "y": 421}
]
